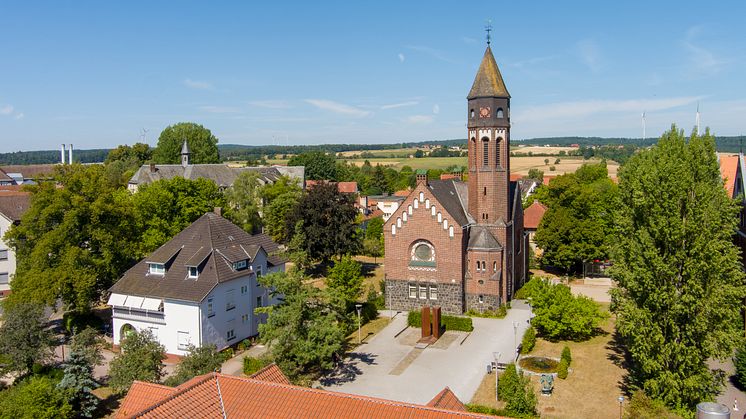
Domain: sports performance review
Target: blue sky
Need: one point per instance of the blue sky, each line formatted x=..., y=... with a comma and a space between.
x=96, y=73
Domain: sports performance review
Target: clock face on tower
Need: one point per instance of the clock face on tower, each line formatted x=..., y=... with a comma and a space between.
x=484, y=112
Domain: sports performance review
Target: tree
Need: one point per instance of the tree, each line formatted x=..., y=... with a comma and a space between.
x=306, y=331
x=579, y=222
x=78, y=384
x=74, y=241
x=680, y=284
x=202, y=144
x=166, y=207
x=122, y=162
x=283, y=185
x=517, y=392
x=245, y=202
x=346, y=278
x=276, y=216
x=34, y=398
x=739, y=361
x=329, y=222
x=561, y=315
x=88, y=343
x=536, y=175
x=24, y=338
x=200, y=360
x=140, y=359
x=318, y=165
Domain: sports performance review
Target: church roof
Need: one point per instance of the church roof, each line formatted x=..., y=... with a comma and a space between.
x=481, y=238
x=488, y=82
x=452, y=195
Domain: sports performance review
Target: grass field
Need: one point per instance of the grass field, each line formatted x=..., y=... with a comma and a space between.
x=591, y=389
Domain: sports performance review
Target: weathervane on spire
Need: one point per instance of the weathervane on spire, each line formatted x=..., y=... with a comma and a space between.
x=488, y=29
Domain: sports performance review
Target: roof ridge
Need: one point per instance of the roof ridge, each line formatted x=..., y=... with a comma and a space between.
x=178, y=392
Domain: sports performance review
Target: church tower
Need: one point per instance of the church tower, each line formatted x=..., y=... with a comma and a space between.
x=489, y=145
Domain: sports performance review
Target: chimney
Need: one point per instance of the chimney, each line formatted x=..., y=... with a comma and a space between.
x=70, y=153
x=62, y=154
x=218, y=211
x=152, y=167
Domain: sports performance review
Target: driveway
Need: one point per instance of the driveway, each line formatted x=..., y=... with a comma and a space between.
x=391, y=368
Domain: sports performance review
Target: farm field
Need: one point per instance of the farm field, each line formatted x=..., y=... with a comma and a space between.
x=541, y=149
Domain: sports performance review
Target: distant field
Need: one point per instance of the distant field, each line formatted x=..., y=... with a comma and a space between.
x=382, y=153
x=542, y=149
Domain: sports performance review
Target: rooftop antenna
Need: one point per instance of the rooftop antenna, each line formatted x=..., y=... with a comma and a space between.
x=698, y=117
x=488, y=29
x=643, y=126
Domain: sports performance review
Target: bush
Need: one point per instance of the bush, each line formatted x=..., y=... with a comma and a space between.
x=464, y=324
x=75, y=321
x=561, y=315
x=529, y=340
x=500, y=313
x=643, y=407
x=552, y=168
x=740, y=362
x=566, y=355
x=517, y=392
x=252, y=365
x=532, y=288
x=562, y=368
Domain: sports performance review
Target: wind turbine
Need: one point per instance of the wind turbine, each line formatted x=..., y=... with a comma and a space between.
x=143, y=137
x=643, y=126
x=697, y=119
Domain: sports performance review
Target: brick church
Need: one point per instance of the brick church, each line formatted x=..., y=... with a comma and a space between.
x=461, y=245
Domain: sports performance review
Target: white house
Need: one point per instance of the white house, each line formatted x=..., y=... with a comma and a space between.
x=12, y=206
x=199, y=288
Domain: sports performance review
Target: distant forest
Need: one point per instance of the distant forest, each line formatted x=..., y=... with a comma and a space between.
x=246, y=152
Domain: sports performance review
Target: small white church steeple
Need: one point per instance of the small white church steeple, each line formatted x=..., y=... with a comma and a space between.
x=185, y=154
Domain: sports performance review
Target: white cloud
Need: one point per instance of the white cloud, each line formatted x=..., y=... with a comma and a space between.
x=18, y=116
x=400, y=105
x=270, y=104
x=336, y=107
x=6, y=110
x=195, y=84
x=220, y=109
x=589, y=54
x=436, y=109
x=401, y=57
x=583, y=109
x=419, y=119
x=435, y=53
x=702, y=62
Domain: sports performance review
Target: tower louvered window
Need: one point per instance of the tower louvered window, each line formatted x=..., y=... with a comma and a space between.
x=485, y=151
x=497, y=153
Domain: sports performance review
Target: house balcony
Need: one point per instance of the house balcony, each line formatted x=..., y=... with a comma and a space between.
x=126, y=313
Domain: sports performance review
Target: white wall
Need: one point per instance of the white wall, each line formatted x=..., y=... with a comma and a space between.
x=9, y=265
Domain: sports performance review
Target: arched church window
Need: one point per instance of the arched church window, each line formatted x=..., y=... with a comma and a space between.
x=473, y=150
x=494, y=266
x=500, y=113
x=498, y=162
x=422, y=253
x=485, y=151
x=471, y=113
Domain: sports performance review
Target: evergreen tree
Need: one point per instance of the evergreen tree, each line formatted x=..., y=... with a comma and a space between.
x=680, y=284
x=78, y=384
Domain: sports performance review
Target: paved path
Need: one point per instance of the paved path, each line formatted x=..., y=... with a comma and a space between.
x=234, y=366
x=458, y=366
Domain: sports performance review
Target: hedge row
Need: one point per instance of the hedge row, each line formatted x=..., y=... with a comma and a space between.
x=463, y=324
x=564, y=364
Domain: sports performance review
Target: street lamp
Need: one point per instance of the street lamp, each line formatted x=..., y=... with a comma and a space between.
x=621, y=401
x=358, y=307
x=584, y=270
x=515, y=337
x=496, y=355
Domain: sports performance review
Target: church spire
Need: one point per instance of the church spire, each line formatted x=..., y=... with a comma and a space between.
x=488, y=82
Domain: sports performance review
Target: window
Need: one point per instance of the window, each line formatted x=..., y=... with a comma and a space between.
x=193, y=272
x=497, y=153
x=484, y=266
x=485, y=191
x=258, y=272
x=210, y=308
x=157, y=269
x=433, y=292
x=182, y=340
x=230, y=300
x=241, y=264
x=494, y=266
x=4, y=278
x=231, y=334
x=481, y=299
x=471, y=113
x=3, y=254
x=245, y=318
x=422, y=253
x=412, y=291
x=244, y=289
x=500, y=113
x=259, y=301
x=485, y=151
x=450, y=231
x=423, y=292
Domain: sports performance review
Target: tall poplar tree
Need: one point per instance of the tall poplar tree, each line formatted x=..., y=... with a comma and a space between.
x=680, y=284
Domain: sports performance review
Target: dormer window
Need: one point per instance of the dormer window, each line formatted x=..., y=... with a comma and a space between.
x=241, y=264
x=157, y=269
x=193, y=272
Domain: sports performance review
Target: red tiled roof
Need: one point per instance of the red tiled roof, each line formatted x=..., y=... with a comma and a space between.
x=344, y=187
x=448, y=176
x=374, y=214
x=447, y=400
x=141, y=396
x=271, y=373
x=217, y=395
x=14, y=204
x=515, y=176
x=403, y=193
x=533, y=214
x=728, y=170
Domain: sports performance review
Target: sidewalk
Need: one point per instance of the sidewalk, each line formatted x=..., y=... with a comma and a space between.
x=234, y=366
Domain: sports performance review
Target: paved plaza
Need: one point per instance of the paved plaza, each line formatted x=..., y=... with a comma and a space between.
x=392, y=368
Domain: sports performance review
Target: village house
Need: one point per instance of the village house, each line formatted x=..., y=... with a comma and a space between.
x=199, y=288
x=12, y=206
x=461, y=245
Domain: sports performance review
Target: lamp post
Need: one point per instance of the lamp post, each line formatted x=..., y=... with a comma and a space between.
x=621, y=402
x=515, y=337
x=496, y=355
x=583, y=269
x=358, y=307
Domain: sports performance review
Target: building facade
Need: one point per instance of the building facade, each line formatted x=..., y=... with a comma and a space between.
x=12, y=206
x=461, y=245
x=199, y=288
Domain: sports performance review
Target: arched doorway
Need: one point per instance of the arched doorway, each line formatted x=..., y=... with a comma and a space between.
x=126, y=330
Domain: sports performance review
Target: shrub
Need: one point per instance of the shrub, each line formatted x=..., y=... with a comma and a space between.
x=529, y=340
x=500, y=313
x=252, y=365
x=532, y=288
x=740, y=363
x=643, y=407
x=552, y=168
x=561, y=315
x=562, y=368
x=464, y=324
x=517, y=392
x=566, y=355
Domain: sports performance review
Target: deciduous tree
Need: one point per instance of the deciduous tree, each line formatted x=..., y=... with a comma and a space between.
x=24, y=337
x=202, y=144
x=244, y=201
x=140, y=359
x=318, y=165
x=35, y=398
x=680, y=284
x=200, y=360
x=346, y=278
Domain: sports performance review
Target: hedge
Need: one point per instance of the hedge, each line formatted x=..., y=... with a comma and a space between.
x=463, y=324
x=252, y=365
x=562, y=368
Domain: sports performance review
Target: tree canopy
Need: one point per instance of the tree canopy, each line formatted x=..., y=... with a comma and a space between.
x=24, y=338
x=318, y=165
x=245, y=202
x=200, y=360
x=35, y=398
x=680, y=284
x=140, y=359
x=202, y=144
